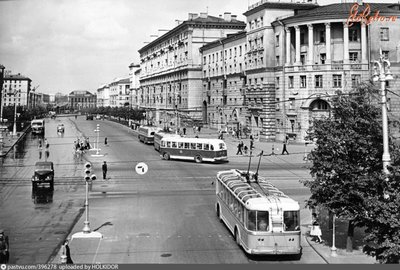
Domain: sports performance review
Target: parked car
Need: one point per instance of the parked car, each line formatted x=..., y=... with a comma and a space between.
x=43, y=174
x=60, y=128
x=89, y=117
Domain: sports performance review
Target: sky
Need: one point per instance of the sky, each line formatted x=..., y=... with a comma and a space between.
x=67, y=45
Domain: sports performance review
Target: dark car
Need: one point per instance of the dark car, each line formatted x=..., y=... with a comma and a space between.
x=89, y=117
x=43, y=175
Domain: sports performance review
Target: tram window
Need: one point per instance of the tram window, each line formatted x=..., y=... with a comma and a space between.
x=180, y=145
x=206, y=146
x=221, y=146
x=291, y=220
x=186, y=145
x=262, y=220
x=193, y=146
x=173, y=144
x=251, y=220
x=162, y=143
x=168, y=144
x=241, y=209
x=199, y=146
x=212, y=147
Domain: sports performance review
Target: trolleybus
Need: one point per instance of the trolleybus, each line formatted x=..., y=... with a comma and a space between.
x=146, y=134
x=161, y=134
x=196, y=149
x=262, y=219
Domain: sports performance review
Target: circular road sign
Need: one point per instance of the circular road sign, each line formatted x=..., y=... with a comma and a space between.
x=141, y=168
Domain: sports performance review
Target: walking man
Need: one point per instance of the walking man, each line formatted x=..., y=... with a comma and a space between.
x=251, y=142
x=104, y=168
x=284, y=150
x=105, y=141
x=184, y=131
x=239, y=147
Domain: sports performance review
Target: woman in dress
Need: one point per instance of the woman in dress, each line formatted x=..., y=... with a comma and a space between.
x=316, y=229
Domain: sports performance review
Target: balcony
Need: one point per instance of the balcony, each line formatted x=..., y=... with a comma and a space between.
x=337, y=65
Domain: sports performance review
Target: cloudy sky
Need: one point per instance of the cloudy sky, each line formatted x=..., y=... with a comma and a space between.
x=66, y=45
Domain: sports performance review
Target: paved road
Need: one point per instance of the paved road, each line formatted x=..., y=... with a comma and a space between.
x=165, y=216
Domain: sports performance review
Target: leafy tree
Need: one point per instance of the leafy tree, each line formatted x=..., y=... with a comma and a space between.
x=347, y=167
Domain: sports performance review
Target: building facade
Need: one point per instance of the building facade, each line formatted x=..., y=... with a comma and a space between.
x=171, y=68
x=134, y=74
x=120, y=93
x=16, y=89
x=79, y=100
x=300, y=54
x=223, y=80
x=103, y=96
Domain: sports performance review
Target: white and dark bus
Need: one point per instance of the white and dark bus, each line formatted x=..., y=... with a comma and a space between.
x=262, y=219
x=197, y=149
x=162, y=134
x=146, y=134
x=38, y=126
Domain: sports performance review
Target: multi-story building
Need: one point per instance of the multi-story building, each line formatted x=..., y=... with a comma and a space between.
x=103, y=96
x=300, y=54
x=119, y=93
x=134, y=74
x=223, y=79
x=81, y=100
x=171, y=70
x=16, y=89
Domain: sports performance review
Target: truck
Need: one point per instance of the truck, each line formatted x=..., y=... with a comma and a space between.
x=37, y=126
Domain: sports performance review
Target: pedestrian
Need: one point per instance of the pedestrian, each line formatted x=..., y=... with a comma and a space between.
x=104, y=168
x=105, y=141
x=184, y=131
x=251, y=142
x=284, y=150
x=194, y=129
x=68, y=252
x=199, y=128
x=40, y=144
x=315, y=231
x=245, y=149
x=233, y=133
x=239, y=147
x=46, y=143
x=4, y=248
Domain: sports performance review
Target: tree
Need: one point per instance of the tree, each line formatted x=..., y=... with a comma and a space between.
x=347, y=167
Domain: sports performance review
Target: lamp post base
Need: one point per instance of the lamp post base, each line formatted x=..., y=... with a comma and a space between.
x=333, y=251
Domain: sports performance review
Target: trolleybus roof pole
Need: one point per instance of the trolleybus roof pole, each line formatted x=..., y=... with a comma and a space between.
x=258, y=166
x=248, y=168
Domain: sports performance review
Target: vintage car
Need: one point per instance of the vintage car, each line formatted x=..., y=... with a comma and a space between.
x=43, y=175
x=60, y=128
x=89, y=116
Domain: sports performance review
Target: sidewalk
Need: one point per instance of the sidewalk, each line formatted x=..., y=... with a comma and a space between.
x=9, y=141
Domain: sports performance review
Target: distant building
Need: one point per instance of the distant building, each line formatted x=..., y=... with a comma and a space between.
x=103, y=96
x=81, y=100
x=134, y=74
x=16, y=89
x=119, y=93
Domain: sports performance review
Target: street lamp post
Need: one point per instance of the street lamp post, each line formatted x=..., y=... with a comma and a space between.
x=382, y=73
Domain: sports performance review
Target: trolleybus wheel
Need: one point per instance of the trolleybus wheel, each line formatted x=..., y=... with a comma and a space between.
x=237, y=237
x=198, y=159
x=166, y=156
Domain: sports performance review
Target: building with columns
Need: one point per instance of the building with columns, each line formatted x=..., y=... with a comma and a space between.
x=81, y=99
x=171, y=70
x=300, y=54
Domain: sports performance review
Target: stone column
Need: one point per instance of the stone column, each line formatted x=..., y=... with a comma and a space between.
x=364, y=59
x=310, y=44
x=328, y=42
x=288, y=45
x=297, y=28
x=345, y=43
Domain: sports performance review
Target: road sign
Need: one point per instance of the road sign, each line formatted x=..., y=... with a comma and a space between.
x=141, y=168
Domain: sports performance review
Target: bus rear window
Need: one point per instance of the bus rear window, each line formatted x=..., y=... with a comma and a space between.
x=222, y=146
x=206, y=146
x=258, y=220
x=199, y=146
x=291, y=220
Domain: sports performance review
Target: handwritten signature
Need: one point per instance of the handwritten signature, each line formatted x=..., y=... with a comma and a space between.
x=365, y=17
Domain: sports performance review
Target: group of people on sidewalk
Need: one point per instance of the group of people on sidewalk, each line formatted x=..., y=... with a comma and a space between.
x=47, y=148
x=242, y=148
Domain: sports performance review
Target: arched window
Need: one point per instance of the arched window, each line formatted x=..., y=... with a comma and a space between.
x=319, y=105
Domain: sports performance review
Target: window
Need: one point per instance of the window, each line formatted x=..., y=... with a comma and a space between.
x=322, y=36
x=384, y=34
x=385, y=54
x=323, y=58
x=291, y=221
x=277, y=105
x=319, y=105
x=353, y=56
x=193, y=146
x=290, y=81
x=277, y=83
x=303, y=81
x=277, y=60
x=337, y=81
x=318, y=81
x=291, y=103
x=302, y=59
x=277, y=40
x=258, y=220
x=353, y=35
x=199, y=146
x=206, y=146
x=355, y=80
